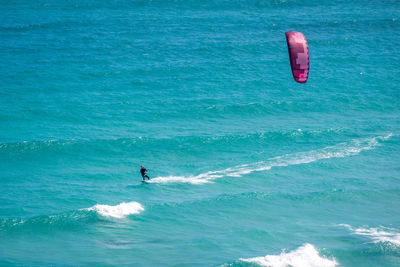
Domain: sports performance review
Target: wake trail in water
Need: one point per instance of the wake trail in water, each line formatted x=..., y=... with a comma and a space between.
x=341, y=150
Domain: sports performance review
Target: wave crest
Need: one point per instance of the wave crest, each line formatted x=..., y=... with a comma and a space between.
x=73, y=218
x=377, y=235
x=119, y=211
x=306, y=255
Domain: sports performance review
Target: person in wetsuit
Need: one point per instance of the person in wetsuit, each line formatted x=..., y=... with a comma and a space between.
x=143, y=173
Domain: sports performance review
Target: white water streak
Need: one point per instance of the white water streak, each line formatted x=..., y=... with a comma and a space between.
x=341, y=150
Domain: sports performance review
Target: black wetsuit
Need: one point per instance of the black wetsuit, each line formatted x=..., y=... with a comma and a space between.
x=143, y=172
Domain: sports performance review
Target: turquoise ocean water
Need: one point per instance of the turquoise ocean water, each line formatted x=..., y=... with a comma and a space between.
x=249, y=168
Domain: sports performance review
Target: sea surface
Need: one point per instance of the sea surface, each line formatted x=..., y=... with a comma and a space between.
x=248, y=167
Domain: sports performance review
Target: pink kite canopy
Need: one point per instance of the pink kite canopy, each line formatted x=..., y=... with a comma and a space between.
x=298, y=53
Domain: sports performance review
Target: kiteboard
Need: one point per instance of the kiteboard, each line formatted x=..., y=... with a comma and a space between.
x=145, y=182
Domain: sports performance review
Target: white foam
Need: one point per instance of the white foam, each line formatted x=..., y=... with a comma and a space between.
x=379, y=234
x=119, y=211
x=306, y=255
x=177, y=179
x=341, y=150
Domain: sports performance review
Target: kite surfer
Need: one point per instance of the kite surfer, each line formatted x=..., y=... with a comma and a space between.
x=143, y=173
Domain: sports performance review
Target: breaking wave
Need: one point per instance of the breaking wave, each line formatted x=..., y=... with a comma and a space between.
x=73, y=218
x=119, y=211
x=377, y=235
x=306, y=255
x=341, y=150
